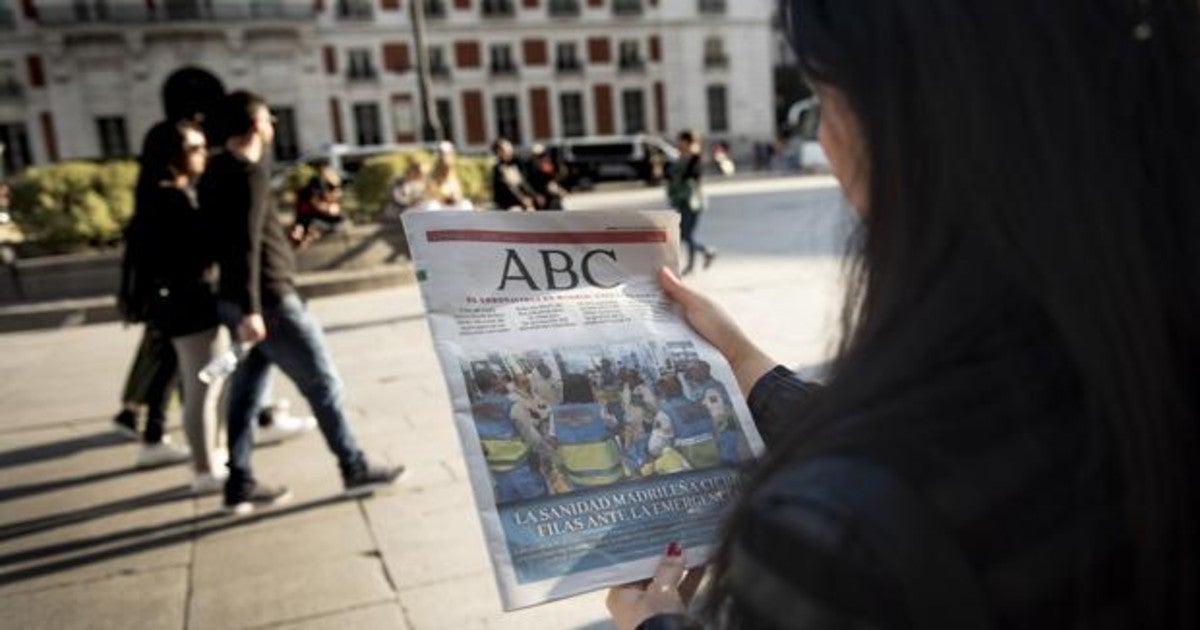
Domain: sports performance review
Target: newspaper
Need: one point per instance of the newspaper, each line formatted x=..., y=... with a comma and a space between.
x=597, y=427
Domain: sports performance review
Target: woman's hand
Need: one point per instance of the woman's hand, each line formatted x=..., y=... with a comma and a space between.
x=666, y=593
x=714, y=324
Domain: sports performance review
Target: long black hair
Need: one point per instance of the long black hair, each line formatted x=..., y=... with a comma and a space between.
x=1032, y=164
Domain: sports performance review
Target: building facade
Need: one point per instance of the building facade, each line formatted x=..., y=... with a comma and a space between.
x=83, y=78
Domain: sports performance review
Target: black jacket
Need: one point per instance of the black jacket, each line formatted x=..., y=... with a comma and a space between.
x=257, y=262
x=179, y=253
x=948, y=507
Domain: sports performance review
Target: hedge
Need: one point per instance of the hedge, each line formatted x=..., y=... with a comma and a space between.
x=76, y=205
x=72, y=205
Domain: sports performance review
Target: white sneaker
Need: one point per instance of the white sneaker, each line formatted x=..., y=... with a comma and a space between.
x=208, y=483
x=284, y=427
x=218, y=459
x=162, y=454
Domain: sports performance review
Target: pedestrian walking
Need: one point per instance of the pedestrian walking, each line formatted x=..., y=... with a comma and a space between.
x=151, y=377
x=687, y=197
x=1008, y=435
x=148, y=386
x=257, y=299
x=178, y=258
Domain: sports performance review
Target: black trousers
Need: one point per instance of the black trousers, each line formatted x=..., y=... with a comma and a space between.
x=150, y=380
x=688, y=219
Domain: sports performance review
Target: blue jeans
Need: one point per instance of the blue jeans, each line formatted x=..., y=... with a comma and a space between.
x=295, y=344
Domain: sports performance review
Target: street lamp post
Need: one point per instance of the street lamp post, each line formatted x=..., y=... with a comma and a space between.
x=431, y=124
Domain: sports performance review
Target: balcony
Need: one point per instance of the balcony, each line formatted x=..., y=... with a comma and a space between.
x=716, y=61
x=435, y=9
x=627, y=8
x=711, y=7
x=503, y=69
x=362, y=74
x=564, y=8
x=631, y=64
x=117, y=12
x=498, y=9
x=571, y=66
x=355, y=10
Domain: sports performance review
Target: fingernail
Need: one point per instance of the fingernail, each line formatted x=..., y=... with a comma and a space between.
x=674, y=550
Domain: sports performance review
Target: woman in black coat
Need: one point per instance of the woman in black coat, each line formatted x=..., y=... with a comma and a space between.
x=178, y=257
x=1008, y=435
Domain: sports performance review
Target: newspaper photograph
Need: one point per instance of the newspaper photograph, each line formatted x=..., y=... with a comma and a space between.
x=596, y=426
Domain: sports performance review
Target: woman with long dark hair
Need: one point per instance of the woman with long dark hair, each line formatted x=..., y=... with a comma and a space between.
x=179, y=260
x=1006, y=436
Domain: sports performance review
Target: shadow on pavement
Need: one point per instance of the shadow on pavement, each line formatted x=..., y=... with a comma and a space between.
x=159, y=535
x=30, y=489
x=46, y=523
x=62, y=448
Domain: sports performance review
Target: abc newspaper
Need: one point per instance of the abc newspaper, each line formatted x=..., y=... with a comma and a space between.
x=597, y=427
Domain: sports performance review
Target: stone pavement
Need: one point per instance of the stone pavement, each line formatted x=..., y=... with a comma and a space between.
x=87, y=541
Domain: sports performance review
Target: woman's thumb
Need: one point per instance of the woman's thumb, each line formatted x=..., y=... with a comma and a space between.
x=674, y=287
x=670, y=569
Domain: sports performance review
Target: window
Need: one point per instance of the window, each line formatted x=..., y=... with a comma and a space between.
x=508, y=123
x=445, y=113
x=10, y=87
x=627, y=7
x=113, y=140
x=566, y=57
x=714, y=53
x=502, y=59
x=564, y=8
x=359, y=66
x=287, y=145
x=7, y=20
x=718, y=109
x=366, y=123
x=16, y=148
x=498, y=8
x=570, y=107
x=633, y=109
x=355, y=10
x=435, y=8
x=711, y=7
x=628, y=56
x=437, y=62
x=181, y=9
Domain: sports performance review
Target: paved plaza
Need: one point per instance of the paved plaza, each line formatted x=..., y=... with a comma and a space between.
x=88, y=541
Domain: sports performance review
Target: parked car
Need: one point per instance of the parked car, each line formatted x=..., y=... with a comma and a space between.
x=584, y=161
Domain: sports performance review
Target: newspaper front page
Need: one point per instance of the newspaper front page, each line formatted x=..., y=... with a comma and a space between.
x=597, y=427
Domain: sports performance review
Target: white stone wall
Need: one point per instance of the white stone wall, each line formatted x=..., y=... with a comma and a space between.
x=102, y=70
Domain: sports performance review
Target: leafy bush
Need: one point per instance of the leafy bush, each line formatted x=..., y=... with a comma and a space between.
x=71, y=205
